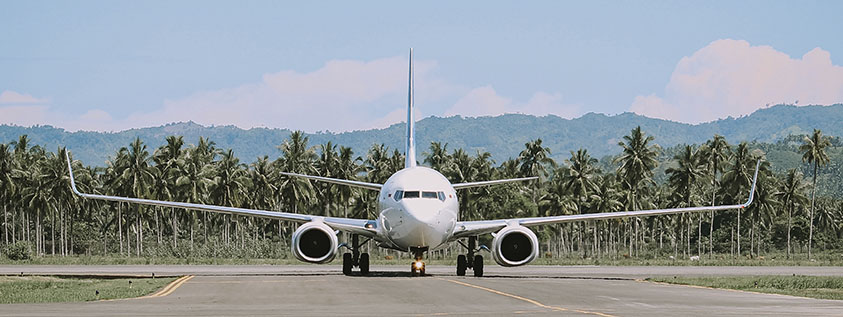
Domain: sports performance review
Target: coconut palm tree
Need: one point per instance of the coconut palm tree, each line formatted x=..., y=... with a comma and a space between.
x=140, y=176
x=738, y=178
x=683, y=179
x=6, y=187
x=637, y=162
x=167, y=159
x=791, y=194
x=715, y=153
x=437, y=158
x=813, y=152
x=763, y=208
x=230, y=188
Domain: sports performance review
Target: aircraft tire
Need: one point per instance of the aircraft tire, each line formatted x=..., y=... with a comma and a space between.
x=347, y=263
x=461, y=265
x=364, y=263
x=478, y=265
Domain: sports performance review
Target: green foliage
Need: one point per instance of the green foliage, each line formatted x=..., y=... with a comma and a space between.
x=50, y=289
x=19, y=251
x=821, y=287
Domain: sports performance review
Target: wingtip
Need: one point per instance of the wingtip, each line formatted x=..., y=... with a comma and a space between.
x=70, y=171
x=754, y=183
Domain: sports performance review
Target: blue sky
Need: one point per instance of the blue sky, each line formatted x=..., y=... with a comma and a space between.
x=114, y=65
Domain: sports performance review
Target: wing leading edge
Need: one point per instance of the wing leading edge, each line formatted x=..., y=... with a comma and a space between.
x=471, y=228
x=359, y=226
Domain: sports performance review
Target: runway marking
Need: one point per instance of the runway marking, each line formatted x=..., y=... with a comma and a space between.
x=170, y=288
x=531, y=301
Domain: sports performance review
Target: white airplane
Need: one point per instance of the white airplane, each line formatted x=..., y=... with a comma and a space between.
x=418, y=212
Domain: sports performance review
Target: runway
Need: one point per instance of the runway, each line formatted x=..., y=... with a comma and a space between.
x=531, y=290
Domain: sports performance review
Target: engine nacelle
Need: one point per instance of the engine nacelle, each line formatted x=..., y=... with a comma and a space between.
x=515, y=246
x=315, y=242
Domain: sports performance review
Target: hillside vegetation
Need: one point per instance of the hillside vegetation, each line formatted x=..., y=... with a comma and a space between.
x=502, y=136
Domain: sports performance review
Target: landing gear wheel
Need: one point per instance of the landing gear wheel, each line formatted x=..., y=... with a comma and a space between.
x=364, y=263
x=478, y=265
x=347, y=263
x=461, y=265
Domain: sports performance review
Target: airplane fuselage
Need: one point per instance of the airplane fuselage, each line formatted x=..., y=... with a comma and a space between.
x=418, y=209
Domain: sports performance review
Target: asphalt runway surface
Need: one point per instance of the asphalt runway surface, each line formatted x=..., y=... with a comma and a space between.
x=310, y=290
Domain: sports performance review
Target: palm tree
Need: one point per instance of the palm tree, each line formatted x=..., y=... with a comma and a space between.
x=791, y=195
x=715, y=152
x=230, y=188
x=637, y=162
x=140, y=176
x=6, y=187
x=167, y=159
x=738, y=178
x=763, y=208
x=813, y=152
x=535, y=160
x=327, y=165
x=438, y=158
x=683, y=179
x=578, y=179
x=296, y=157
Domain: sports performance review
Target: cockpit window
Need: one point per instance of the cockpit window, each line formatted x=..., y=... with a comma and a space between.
x=400, y=194
x=412, y=194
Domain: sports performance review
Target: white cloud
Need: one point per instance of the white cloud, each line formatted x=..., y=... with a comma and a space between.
x=733, y=78
x=340, y=96
x=485, y=101
x=343, y=95
x=9, y=97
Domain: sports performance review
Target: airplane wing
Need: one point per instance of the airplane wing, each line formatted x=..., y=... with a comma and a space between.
x=369, y=186
x=494, y=182
x=359, y=226
x=472, y=228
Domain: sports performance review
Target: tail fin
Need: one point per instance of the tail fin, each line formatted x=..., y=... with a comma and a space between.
x=410, y=150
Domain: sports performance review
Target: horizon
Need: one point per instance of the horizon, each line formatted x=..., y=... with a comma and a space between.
x=417, y=120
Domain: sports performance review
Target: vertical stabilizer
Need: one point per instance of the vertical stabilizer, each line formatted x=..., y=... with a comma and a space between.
x=410, y=150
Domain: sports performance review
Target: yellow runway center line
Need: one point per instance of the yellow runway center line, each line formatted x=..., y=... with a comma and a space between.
x=170, y=287
x=531, y=301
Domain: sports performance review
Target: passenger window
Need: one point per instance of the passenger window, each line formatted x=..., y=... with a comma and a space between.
x=441, y=196
x=429, y=195
x=398, y=195
x=413, y=194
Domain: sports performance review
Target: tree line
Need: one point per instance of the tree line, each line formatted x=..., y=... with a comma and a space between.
x=41, y=213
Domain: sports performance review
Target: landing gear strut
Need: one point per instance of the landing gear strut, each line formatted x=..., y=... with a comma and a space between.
x=355, y=258
x=417, y=268
x=470, y=260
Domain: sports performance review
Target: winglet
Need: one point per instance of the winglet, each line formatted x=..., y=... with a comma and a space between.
x=70, y=170
x=754, y=182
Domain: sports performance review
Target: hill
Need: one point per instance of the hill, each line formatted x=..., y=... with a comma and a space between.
x=503, y=136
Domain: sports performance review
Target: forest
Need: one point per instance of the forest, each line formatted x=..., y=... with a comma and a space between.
x=42, y=218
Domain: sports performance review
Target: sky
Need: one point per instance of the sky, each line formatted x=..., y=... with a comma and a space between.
x=342, y=66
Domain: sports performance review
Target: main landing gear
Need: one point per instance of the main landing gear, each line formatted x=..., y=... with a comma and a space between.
x=417, y=267
x=355, y=258
x=476, y=263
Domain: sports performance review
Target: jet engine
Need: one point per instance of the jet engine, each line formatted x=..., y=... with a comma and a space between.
x=314, y=242
x=515, y=246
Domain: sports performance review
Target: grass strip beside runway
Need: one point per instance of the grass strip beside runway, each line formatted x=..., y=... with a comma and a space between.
x=820, y=287
x=51, y=289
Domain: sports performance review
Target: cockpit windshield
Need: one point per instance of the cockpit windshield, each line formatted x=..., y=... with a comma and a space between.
x=400, y=194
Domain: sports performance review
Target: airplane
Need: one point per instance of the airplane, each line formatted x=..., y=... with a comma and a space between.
x=418, y=211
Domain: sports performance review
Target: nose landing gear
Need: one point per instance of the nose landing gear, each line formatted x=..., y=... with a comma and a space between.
x=417, y=268
x=476, y=263
x=355, y=258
